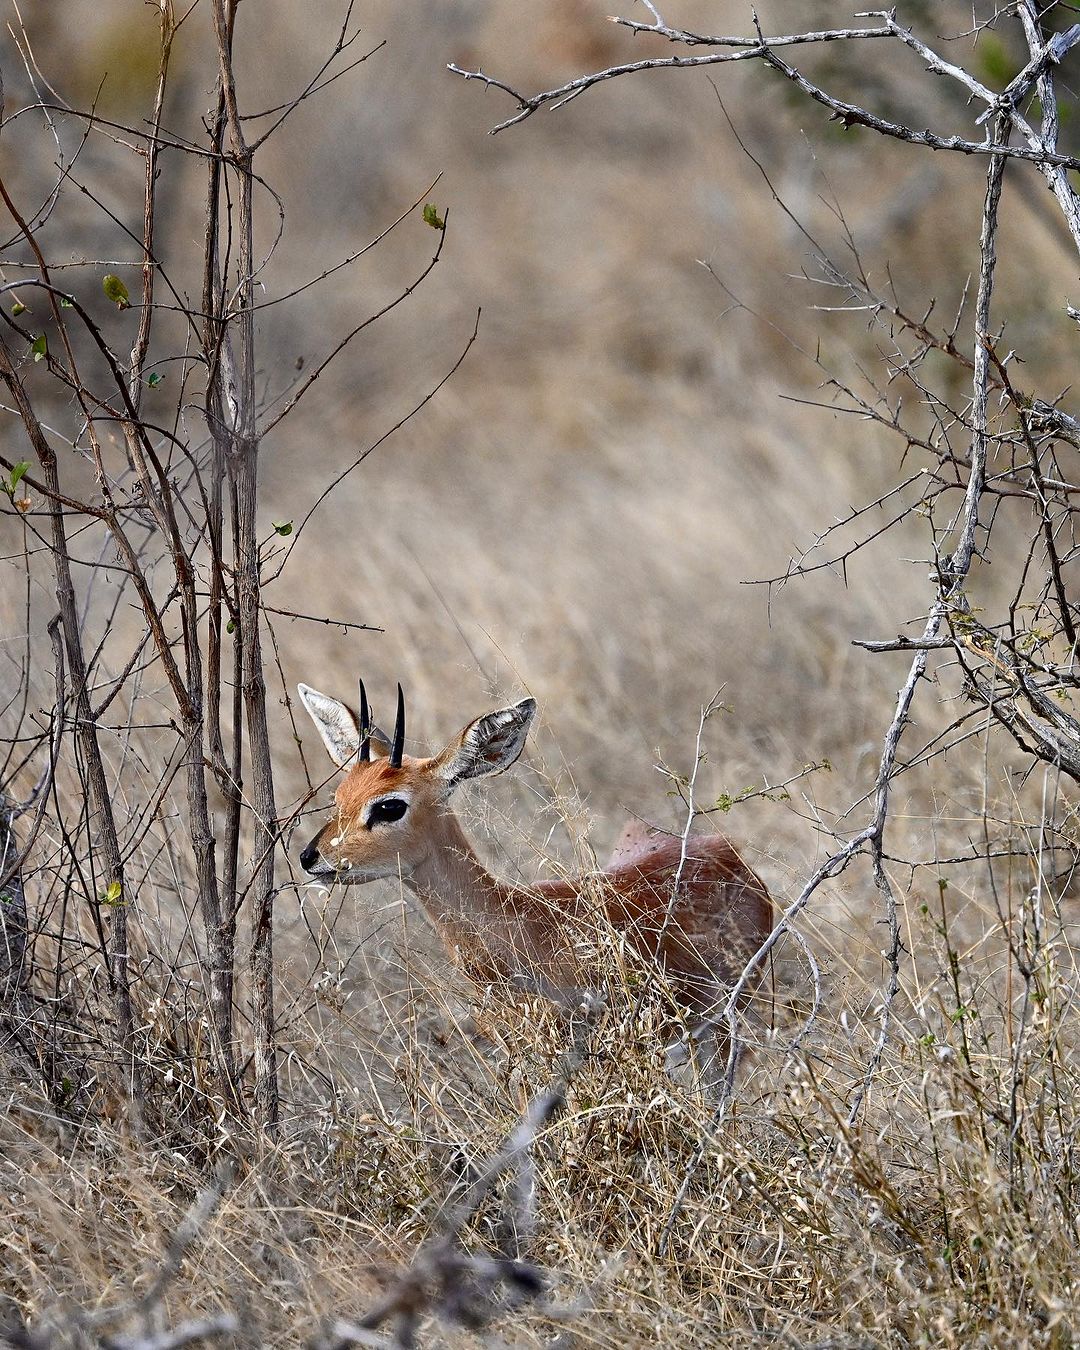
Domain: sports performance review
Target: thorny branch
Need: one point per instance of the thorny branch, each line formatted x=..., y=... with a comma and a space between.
x=1004, y=110
x=1041, y=150
x=953, y=572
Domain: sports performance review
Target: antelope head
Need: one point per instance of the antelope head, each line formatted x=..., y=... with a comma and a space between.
x=388, y=803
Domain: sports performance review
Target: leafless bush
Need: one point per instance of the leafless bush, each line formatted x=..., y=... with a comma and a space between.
x=1002, y=447
x=154, y=496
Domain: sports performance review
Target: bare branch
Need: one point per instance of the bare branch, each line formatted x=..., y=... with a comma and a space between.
x=746, y=49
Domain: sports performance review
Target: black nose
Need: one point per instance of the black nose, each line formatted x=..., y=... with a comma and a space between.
x=309, y=857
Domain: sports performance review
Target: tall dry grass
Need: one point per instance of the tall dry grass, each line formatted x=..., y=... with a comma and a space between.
x=574, y=516
x=945, y=1215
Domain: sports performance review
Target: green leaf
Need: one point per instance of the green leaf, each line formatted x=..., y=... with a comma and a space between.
x=116, y=291
x=17, y=308
x=432, y=217
x=39, y=347
x=15, y=476
x=230, y=627
x=283, y=527
x=112, y=893
x=65, y=303
x=154, y=379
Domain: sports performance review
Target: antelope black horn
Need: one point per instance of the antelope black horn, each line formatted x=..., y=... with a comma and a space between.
x=399, y=732
x=365, y=726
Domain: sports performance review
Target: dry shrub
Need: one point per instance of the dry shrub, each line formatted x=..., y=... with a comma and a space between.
x=945, y=1215
x=600, y=562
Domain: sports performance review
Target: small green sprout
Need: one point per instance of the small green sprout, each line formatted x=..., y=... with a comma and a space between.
x=116, y=291
x=14, y=478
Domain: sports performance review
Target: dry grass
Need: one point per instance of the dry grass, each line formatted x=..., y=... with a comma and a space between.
x=574, y=516
x=946, y=1216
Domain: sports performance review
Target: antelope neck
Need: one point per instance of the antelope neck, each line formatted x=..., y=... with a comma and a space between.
x=452, y=883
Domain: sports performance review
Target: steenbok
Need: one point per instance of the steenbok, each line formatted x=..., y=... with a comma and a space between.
x=696, y=910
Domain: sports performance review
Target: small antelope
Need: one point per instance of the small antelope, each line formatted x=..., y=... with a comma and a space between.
x=394, y=820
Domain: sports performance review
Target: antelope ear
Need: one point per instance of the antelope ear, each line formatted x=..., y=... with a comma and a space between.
x=489, y=745
x=335, y=723
x=380, y=743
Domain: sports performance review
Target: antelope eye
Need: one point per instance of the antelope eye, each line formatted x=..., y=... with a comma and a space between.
x=392, y=808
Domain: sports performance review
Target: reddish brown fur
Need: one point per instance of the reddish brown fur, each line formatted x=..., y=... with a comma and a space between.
x=539, y=934
x=691, y=906
x=367, y=781
x=719, y=915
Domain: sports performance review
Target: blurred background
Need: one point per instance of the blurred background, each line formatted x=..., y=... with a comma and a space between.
x=642, y=426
